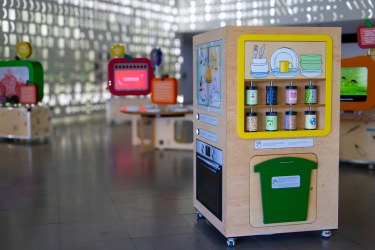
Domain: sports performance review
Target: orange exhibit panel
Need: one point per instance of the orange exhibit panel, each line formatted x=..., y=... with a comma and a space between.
x=164, y=91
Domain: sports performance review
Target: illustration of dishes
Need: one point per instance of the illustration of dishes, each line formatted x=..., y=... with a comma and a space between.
x=284, y=63
x=311, y=65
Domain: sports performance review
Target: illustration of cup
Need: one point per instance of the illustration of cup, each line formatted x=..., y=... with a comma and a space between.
x=284, y=66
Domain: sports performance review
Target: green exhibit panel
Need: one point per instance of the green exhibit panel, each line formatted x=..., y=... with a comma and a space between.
x=285, y=185
x=20, y=72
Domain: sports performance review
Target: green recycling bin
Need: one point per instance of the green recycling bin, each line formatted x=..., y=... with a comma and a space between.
x=285, y=186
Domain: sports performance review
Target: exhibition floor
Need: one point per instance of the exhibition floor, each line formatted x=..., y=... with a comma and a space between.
x=88, y=188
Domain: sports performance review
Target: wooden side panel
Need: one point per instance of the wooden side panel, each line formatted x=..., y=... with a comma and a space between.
x=220, y=129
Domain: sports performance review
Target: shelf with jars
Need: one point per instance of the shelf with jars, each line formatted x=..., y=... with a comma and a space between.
x=287, y=87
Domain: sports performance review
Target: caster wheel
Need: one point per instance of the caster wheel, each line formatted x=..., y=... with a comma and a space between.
x=326, y=234
x=199, y=216
x=231, y=242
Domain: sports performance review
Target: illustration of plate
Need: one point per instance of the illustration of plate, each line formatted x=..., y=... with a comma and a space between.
x=311, y=73
x=276, y=72
x=284, y=54
x=259, y=74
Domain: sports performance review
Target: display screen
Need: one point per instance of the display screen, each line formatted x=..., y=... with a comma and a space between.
x=353, y=84
x=131, y=79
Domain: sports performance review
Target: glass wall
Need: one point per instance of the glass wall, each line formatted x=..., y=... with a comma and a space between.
x=72, y=39
x=201, y=15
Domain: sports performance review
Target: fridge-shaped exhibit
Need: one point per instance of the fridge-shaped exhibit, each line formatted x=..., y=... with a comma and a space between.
x=266, y=122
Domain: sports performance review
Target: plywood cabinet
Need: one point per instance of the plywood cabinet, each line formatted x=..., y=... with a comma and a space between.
x=235, y=58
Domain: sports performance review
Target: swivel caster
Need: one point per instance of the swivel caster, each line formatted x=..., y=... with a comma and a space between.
x=326, y=234
x=231, y=242
x=199, y=216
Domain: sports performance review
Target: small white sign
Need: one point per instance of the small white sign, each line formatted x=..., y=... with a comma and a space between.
x=287, y=143
x=208, y=135
x=292, y=181
x=208, y=119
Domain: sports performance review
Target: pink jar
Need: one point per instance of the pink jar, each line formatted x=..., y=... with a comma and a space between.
x=290, y=94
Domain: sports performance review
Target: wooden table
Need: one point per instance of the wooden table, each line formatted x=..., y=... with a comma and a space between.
x=163, y=134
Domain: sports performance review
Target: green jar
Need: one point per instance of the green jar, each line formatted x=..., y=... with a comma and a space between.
x=310, y=94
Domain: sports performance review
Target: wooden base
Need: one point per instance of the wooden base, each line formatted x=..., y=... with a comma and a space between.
x=25, y=123
x=164, y=134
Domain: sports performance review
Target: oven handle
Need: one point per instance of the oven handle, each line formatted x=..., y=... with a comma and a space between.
x=213, y=165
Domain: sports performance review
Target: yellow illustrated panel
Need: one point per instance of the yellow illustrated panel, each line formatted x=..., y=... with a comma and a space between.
x=268, y=64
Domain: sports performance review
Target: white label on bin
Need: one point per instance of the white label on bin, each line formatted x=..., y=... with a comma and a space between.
x=286, y=181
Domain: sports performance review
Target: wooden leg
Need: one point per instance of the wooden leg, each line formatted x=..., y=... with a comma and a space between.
x=147, y=145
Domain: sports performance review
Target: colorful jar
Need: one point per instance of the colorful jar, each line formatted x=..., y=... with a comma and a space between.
x=290, y=94
x=251, y=95
x=251, y=122
x=271, y=121
x=290, y=120
x=271, y=95
x=310, y=94
x=310, y=120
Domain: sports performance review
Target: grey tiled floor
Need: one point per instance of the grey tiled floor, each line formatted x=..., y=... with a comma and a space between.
x=88, y=188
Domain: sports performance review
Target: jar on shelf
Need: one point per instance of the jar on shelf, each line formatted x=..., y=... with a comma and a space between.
x=251, y=122
x=271, y=95
x=271, y=121
x=290, y=120
x=290, y=94
x=310, y=94
x=251, y=95
x=310, y=120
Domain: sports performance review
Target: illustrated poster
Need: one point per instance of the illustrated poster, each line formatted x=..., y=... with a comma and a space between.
x=209, y=75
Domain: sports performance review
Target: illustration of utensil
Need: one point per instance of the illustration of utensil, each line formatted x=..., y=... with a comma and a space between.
x=255, y=51
x=261, y=53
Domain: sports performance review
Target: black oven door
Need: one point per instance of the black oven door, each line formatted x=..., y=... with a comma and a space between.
x=209, y=185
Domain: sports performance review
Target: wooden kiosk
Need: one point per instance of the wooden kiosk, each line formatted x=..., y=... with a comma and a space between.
x=256, y=177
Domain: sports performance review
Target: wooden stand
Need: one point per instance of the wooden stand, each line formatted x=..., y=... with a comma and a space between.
x=25, y=123
x=163, y=130
x=357, y=138
x=242, y=213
